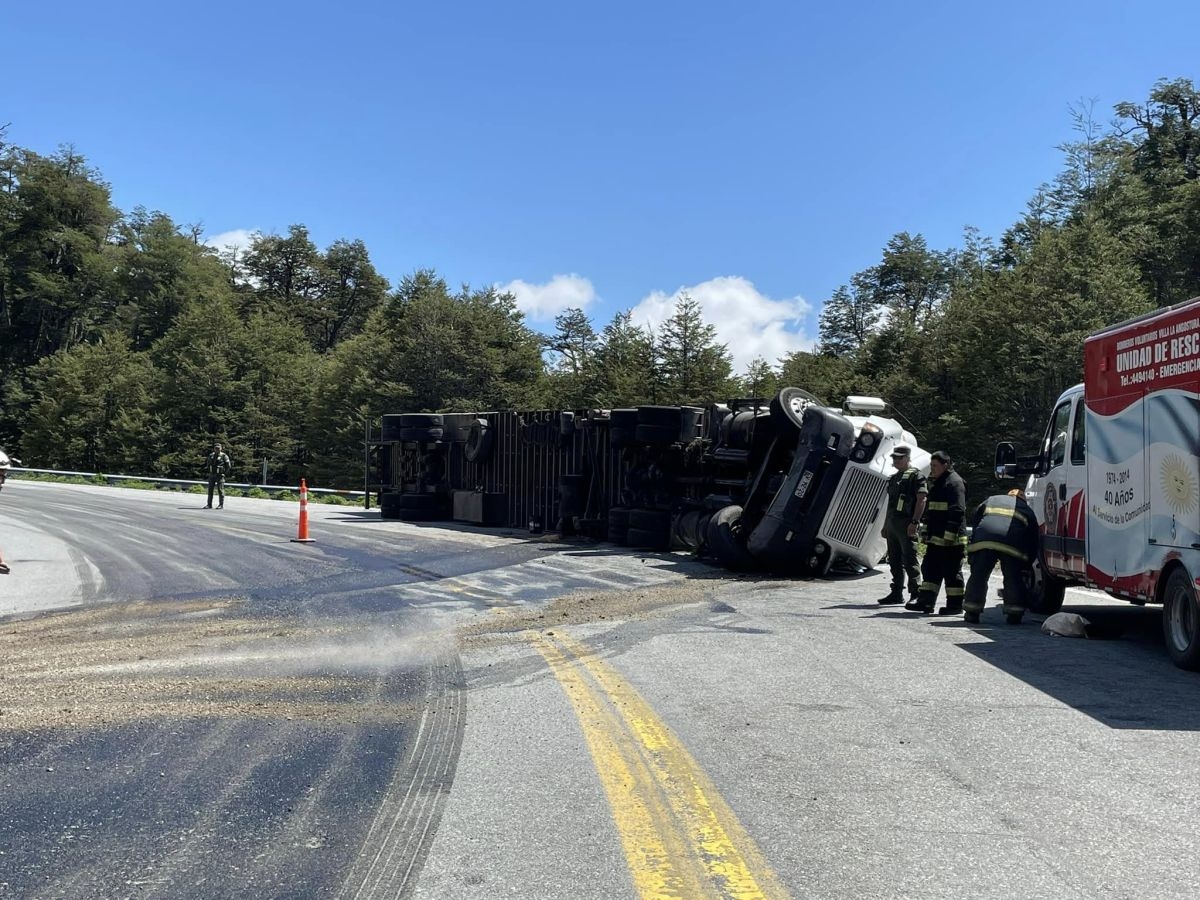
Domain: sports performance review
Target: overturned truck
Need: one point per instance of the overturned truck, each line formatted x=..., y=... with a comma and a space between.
x=789, y=485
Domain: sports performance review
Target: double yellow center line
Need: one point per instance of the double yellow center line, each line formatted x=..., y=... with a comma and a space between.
x=680, y=838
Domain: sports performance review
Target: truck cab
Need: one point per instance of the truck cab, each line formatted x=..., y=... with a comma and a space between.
x=829, y=509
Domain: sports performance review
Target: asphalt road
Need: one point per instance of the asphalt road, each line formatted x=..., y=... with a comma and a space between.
x=194, y=706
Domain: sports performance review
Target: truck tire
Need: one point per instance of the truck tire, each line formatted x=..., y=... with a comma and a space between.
x=1181, y=620
x=725, y=542
x=689, y=530
x=787, y=409
x=480, y=442
x=1046, y=593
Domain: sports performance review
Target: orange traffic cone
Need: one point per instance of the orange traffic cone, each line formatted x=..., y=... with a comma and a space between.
x=302, y=534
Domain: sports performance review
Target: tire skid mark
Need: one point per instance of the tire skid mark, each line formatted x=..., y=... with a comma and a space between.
x=410, y=854
x=402, y=830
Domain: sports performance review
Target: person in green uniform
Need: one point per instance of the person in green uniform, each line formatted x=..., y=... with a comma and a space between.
x=906, y=503
x=217, y=466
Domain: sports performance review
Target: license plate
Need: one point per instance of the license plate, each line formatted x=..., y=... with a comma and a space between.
x=802, y=487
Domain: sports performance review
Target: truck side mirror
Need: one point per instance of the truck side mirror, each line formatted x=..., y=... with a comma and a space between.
x=1006, y=460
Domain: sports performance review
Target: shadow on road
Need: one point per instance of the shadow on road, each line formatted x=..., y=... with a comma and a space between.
x=1124, y=681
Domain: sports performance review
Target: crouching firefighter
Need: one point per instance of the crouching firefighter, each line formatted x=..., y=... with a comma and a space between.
x=946, y=539
x=1004, y=529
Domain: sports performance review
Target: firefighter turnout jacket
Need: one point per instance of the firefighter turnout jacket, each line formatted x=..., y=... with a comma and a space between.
x=1006, y=524
x=946, y=511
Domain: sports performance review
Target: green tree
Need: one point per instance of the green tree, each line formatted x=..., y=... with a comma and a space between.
x=572, y=378
x=91, y=408
x=55, y=268
x=284, y=273
x=850, y=316
x=696, y=369
x=429, y=349
x=1153, y=203
x=759, y=380
x=160, y=272
x=825, y=375
x=911, y=280
x=201, y=360
x=626, y=367
x=349, y=290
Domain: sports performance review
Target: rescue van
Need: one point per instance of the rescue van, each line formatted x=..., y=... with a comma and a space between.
x=1116, y=484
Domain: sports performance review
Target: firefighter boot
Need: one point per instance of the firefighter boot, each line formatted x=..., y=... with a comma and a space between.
x=893, y=599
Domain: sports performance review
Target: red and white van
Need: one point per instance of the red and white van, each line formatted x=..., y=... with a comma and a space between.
x=1116, y=485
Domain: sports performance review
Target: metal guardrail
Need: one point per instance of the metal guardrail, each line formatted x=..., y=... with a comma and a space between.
x=16, y=470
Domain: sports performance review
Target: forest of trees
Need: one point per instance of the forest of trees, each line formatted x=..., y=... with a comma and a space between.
x=127, y=345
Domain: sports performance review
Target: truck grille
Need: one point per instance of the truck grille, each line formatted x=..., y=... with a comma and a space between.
x=857, y=506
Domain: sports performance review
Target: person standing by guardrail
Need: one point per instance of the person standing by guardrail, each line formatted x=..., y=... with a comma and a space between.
x=217, y=465
x=5, y=464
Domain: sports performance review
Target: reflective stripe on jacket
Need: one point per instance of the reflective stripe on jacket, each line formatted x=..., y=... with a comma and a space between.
x=1005, y=524
x=946, y=510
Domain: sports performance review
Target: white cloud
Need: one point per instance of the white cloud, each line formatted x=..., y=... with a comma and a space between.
x=750, y=323
x=544, y=301
x=239, y=239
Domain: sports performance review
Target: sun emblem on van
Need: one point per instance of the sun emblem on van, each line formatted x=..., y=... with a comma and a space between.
x=1178, y=484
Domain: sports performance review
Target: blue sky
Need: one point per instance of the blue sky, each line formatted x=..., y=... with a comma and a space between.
x=609, y=154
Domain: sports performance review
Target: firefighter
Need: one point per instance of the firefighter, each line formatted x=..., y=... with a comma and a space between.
x=906, y=502
x=946, y=539
x=1004, y=530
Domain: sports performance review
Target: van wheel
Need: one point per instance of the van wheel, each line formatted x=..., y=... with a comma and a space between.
x=1046, y=592
x=1181, y=620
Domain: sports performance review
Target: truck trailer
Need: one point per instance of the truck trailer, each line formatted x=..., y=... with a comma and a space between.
x=789, y=485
